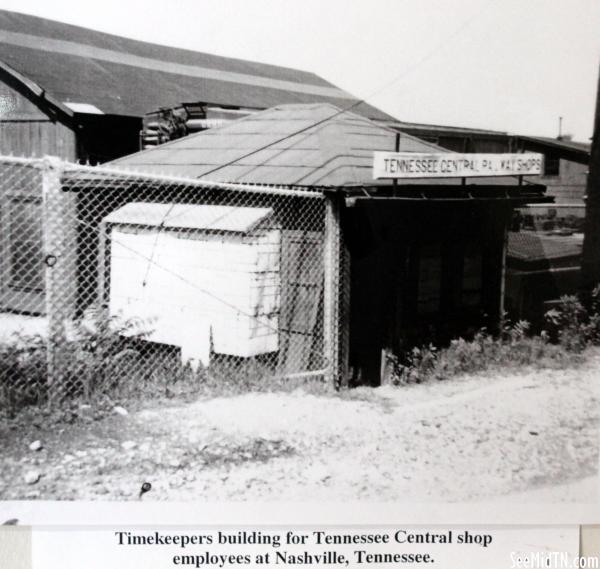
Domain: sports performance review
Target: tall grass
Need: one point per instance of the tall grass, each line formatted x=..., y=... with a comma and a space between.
x=111, y=361
x=570, y=328
x=108, y=360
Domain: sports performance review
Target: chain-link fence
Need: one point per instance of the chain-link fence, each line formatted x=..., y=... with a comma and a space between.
x=114, y=282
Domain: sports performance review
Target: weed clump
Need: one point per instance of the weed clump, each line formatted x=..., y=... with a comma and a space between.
x=570, y=328
x=108, y=360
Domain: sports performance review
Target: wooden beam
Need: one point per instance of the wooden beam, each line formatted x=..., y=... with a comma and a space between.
x=331, y=289
x=344, y=321
x=60, y=251
x=502, y=306
x=102, y=267
x=590, y=266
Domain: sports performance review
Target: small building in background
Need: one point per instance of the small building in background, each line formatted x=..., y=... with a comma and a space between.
x=540, y=268
x=565, y=161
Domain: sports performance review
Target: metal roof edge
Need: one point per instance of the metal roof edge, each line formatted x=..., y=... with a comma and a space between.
x=438, y=128
x=564, y=146
x=34, y=88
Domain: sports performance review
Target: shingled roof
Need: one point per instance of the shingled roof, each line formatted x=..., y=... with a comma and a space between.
x=529, y=251
x=299, y=145
x=77, y=66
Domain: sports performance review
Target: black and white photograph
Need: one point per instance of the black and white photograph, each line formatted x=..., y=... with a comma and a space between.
x=300, y=250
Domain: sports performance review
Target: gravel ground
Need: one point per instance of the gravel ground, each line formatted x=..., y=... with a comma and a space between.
x=476, y=438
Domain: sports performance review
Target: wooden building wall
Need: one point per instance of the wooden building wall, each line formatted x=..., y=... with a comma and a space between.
x=28, y=130
x=566, y=181
x=31, y=128
x=569, y=185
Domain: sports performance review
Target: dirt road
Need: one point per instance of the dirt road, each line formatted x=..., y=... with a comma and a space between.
x=475, y=438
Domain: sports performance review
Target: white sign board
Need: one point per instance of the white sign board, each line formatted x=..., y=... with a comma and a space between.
x=451, y=165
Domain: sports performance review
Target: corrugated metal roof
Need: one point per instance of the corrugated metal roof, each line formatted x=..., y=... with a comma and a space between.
x=578, y=152
x=435, y=128
x=334, y=149
x=186, y=216
x=128, y=77
x=560, y=143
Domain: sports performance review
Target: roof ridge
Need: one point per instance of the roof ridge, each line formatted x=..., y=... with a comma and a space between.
x=311, y=144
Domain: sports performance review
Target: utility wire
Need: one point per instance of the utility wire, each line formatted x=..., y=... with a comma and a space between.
x=442, y=44
x=387, y=85
x=151, y=261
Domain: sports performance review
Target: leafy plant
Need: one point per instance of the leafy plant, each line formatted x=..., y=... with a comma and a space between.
x=101, y=353
x=22, y=372
x=573, y=325
x=511, y=348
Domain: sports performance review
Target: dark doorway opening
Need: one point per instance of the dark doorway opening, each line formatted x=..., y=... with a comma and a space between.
x=419, y=273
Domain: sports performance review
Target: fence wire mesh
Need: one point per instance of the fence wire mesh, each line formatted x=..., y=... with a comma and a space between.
x=118, y=283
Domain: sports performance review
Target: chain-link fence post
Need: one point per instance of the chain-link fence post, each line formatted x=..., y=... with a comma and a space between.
x=331, y=288
x=59, y=252
x=130, y=277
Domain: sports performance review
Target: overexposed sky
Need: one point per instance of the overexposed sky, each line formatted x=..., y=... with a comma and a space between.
x=510, y=65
